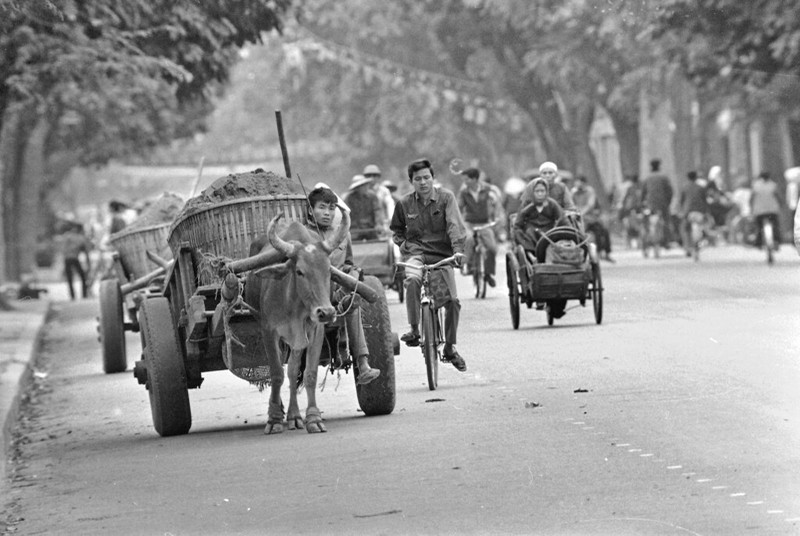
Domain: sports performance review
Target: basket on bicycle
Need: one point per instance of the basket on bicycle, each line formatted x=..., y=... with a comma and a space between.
x=133, y=244
x=226, y=229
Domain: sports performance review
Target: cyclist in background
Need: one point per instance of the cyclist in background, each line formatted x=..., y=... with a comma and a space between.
x=766, y=204
x=478, y=206
x=694, y=205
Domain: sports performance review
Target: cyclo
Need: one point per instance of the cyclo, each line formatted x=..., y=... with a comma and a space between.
x=563, y=267
x=432, y=297
x=376, y=255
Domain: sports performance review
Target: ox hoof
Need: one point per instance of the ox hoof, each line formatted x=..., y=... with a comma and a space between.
x=314, y=424
x=295, y=423
x=273, y=428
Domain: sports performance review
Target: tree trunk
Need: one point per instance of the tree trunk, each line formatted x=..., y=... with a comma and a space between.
x=12, y=137
x=629, y=146
x=28, y=198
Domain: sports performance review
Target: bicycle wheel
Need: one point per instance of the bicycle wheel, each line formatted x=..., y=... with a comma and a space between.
x=769, y=244
x=512, y=278
x=597, y=293
x=478, y=274
x=429, y=346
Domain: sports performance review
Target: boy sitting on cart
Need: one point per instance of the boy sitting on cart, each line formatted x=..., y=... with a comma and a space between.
x=322, y=208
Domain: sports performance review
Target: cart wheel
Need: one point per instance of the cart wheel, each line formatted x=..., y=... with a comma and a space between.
x=549, y=315
x=112, y=327
x=166, y=375
x=429, y=347
x=597, y=293
x=512, y=277
x=378, y=396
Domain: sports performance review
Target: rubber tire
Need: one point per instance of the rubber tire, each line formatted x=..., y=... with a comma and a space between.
x=597, y=293
x=550, y=317
x=166, y=374
x=512, y=279
x=378, y=397
x=429, y=347
x=112, y=327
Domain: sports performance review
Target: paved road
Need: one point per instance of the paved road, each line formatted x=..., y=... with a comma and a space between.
x=678, y=415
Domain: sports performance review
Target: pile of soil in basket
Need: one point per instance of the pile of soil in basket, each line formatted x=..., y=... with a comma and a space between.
x=254, y=183
x=164, y=209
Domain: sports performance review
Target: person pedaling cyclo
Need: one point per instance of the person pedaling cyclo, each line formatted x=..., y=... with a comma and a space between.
x=366, y=212
x=694, y=207
x=478, y=207
x=428, y=228
x=322, y=208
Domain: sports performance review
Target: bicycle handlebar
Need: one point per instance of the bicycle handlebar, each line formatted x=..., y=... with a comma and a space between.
x=484, y=226
x=448, y=260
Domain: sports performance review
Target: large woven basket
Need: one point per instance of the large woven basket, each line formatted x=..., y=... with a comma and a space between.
x=227, y=229
x=133, y=244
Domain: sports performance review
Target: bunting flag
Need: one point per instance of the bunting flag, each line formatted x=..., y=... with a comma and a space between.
x=477, y=107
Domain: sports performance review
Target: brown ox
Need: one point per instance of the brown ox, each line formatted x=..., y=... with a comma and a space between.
x=294, y=305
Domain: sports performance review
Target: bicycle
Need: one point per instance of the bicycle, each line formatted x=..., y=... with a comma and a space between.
x=652, y=233
x=478, y=262
x=696, y=222
x=432, y=322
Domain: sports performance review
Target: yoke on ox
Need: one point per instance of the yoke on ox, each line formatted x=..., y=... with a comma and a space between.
x=253, y=314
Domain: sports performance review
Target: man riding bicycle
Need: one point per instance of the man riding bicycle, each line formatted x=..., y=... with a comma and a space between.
x=478, y=206
x=428, y=228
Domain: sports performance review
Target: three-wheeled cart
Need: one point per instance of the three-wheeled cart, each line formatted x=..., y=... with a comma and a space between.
x=139, y=263
x=186, y=331
x=532, y=280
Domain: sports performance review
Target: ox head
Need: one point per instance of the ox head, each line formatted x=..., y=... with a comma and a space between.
x=307, y=266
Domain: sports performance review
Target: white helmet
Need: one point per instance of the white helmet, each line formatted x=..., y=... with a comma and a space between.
x=514, y=186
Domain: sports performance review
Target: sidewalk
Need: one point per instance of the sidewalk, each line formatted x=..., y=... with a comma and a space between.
x=20, y=332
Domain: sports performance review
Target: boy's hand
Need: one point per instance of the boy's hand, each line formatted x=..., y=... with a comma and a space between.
x=459, y=259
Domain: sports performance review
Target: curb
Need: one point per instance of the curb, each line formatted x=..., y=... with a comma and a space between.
x=16, y=374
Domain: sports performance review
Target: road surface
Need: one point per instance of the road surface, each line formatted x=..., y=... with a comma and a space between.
x=679, y=415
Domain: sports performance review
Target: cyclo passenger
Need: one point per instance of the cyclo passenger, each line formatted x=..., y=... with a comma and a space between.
x=478, y=207
x=428, y=228
x=366, y=212
x=322, y=208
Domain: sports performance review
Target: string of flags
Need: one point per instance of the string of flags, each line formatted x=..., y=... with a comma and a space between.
x=477, y=107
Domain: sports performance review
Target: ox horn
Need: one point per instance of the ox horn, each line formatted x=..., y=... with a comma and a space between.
x=332, y=242
x=277, y=242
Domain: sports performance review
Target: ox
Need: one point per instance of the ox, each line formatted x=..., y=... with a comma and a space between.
x=294, y=306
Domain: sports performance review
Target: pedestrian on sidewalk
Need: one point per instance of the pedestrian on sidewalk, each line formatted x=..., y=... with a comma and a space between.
x=73, y=242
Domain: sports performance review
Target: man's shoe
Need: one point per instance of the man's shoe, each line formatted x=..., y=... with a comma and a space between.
x=490, y=280
x=540, y=306
x=456, y=360
x=411, y=338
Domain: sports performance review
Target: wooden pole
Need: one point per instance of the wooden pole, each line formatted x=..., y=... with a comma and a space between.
x=282, y=140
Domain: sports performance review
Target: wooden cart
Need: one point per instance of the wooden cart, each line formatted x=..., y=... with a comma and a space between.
x=136, y=274
x=183, y=329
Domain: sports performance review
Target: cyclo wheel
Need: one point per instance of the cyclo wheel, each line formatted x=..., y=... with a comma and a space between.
x=112, y=327
x=597, y=293
x=166, y=374
x=378, y=396
x=512, y=278
x=429, y=345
